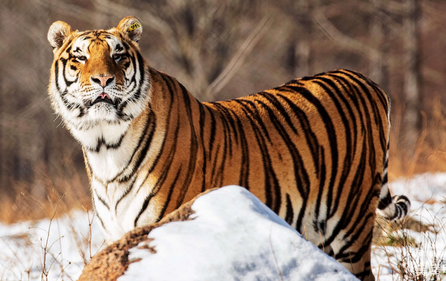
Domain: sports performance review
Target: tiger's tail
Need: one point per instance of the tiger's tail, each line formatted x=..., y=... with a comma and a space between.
x=391, y=208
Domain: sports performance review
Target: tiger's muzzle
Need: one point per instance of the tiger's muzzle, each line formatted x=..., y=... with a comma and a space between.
x=105, y=98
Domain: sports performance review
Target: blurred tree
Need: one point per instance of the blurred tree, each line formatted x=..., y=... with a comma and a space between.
x=298, y=59
x=412, y=76
x=377, y=38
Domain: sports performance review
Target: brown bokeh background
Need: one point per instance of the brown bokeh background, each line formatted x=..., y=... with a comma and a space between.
x=219, y=49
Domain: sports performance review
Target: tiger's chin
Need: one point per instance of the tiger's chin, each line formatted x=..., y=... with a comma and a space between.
x=92, y=117
x=103, y=112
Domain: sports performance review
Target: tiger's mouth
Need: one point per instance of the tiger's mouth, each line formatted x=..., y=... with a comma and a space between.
x=103, y=97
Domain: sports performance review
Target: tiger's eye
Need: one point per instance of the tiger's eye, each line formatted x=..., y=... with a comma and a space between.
x=81, y=58
x=117, y=57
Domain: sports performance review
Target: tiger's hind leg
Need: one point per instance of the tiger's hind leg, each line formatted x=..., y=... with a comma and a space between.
x=353, y=250
x=357, y=262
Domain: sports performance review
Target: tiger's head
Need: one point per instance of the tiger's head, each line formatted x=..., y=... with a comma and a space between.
x=98, y=75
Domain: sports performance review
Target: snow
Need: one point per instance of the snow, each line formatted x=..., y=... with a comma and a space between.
x=427, y=193
x=422, y=188
x=246, y=241
x=262, y=247
x=58, y=245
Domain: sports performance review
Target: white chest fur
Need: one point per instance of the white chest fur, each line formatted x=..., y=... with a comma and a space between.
x=108, y=148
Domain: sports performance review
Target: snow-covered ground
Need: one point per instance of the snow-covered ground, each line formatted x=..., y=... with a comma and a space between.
x=49, y=249
x=427, y=193
x=62, y=246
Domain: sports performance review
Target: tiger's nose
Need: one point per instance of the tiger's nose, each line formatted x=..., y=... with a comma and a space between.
x=102, y=79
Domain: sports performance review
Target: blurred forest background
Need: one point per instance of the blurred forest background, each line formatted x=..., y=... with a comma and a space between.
x=219, y=49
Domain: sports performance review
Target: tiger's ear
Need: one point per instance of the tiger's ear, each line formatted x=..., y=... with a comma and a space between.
x=57, y=33
x=131, y=26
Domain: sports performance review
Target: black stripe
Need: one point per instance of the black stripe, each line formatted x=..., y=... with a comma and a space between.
x=167, y=164
x=126, y=192
x=374, y=108
x=330, y=205
x=212, y=132
x=362, y=213
x=141, y=72
x=68, y=82
x=161, y=179
x=301, y=175
x=102, y=142
x=310, y=137
x=236, y=133
x=150, y=127
x=228, y=115
x=280, y=109
x=226, y=146
x=368, y=130
x=331, y=134
x=139, y=63
x=193, y=147
x=204, y=157
x=214, y=168
x=354, y=195
x=289, y=210
x=315, y=149
x=299, y=168
x=103, y=201
x=348, y=139
x=101, y=221
x=169, y=196
x=385, y=201
x=382, y=96
x=244, y=162
x=56, y=76
x=224, y=118
x=386, y=177
x=62, y=94
x=144, y=142
x=167, y=81
x=353, y=257
x=347, y=99
x=270, y=178
x=253, y=111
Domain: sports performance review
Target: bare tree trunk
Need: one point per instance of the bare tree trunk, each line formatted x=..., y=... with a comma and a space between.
x=299, y=55
x=303, y=50
x=412, y=79
x=2, y=159
x=376, y=67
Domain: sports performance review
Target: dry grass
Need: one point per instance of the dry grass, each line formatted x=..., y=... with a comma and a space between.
x=417, y=259
x=429, y=155
x=25, y=206
x=36, y=202
x=49, y=240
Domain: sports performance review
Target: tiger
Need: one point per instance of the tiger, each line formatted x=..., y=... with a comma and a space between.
x=314, y=150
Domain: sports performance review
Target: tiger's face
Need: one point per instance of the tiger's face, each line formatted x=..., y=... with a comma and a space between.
x=98, y=75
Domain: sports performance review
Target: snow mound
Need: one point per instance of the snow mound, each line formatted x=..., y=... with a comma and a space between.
x=234, y=236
